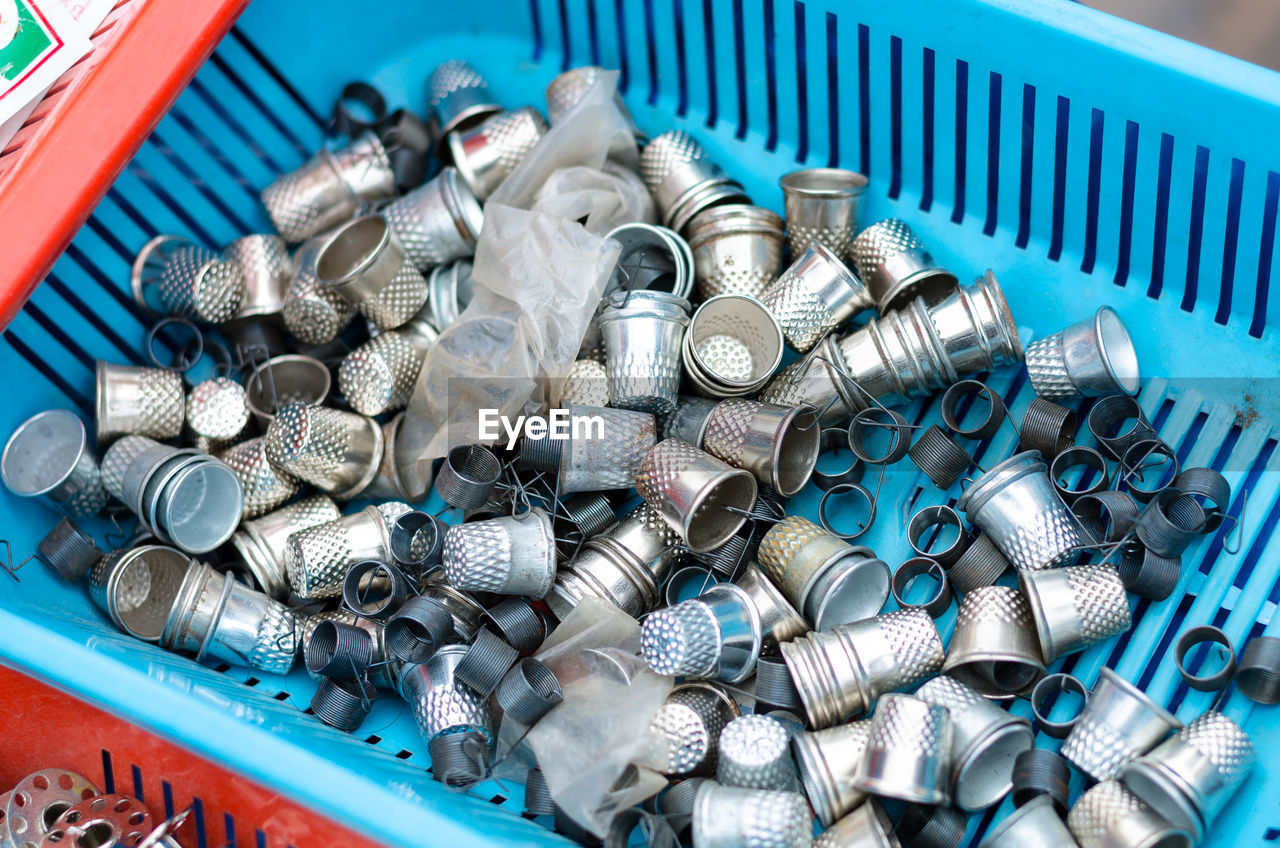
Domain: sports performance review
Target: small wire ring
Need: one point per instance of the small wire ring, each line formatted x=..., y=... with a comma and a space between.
x=1054, y=684
x=934, y=516
x=864, y=421
x=343, y=122
x=379, y=608
x=197, y=337
x=834, y=439
x=1077, y=457
x=1141, y=451
x=841, y=489
x=1210, y=485
x=1196, y=636
x=985, y=429
x=936, y=604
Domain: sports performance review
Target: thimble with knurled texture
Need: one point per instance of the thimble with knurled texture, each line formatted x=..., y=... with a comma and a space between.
x=457, y=97
x=49, y=457
x=440, y=702
x=139, y=401
x=908, y=753
x=1090, y=358
x=316, y=559
x=337, y=452
x=282, y=380
x=778, y=618
x=313, y=312
x=190, y=281
x=216, y=413
x=586, y=384
x=437, y=222
x=365, y=264
x=379, y=375
x=507, y=556
x=715, y=635
x=684, y=180
x=841, y=673
x=814, y=296
x=1034, y=823
x=1119, y=723
x=689, y=723
x=778, y=444
x=1076, y=607
x=486, y=155
x=605, y=452
x=828, y=760
x=265, y=486
x=866, y=827
x=262, y=542
x=267, y=269
x=731, y=347
x=755, y=751
x=1110, y=816
x=568, y=89
x=896, y=267
x=138, y=586
x=701, y=497
x=643, y=332
x=737, y=249
x=329, y=188
x=994, y=648
x=822, y=205
x=737, y=817
x=985, y=741
x=829, y=580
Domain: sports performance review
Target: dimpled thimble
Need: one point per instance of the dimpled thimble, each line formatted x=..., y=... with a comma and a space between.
x=379, y=375
x=569, y=88
x=267, y=269
x=1119, y=723
x=486, y=156
x=48, y=456
x=586, y=384
x=732, y=347
x=908, y=753
x=437, y=222
x=1076, y=607
x=262, y=542
x=715, y=635
x=190, y=281
x=828, y=761
x=316, y=559
x=994, y=648
x=814, y=296
x=508, y=555
x=1110, y=816
x=867, y=826
x=896, y=267
x=643, y=332
x=689, y=723
x=755, y=752
x=458, y=97
x=737, y=817
x=822, y=205
x=365, y=264
x=1090, y=358
x=138, y=401
x=737, y=249
x=337, y=452
x=440, y=702
x=1034, y=823
x=265, y=486
x=684, y=180
x=701, y=497
x=314, y=313
x=216, y=413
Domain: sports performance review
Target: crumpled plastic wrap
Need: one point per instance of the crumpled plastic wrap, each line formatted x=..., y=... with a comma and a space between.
x=601, y=199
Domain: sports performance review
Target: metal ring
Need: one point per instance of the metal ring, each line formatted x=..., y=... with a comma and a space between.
x=339, y=650
x=1140, y=451
x=529, y=691
x=862, y=425
x=957, y=392
x=153, y=256
x=932, y=516
x=939, y=602
x=406, y=534
x=1210, y=485
x=1105, y=422
x=342, y=703
x=517, y=623
x=486, y=662
x=1047, y=428
x=1258, y=677
x=1053, y=685
x=1036, y=772
x=980, y=565
x=940, y=457
x=656, y=829
x=1170, y=522
x=774, y=685
x=1076, y=457
x=680, y=578
x=197, y=338
x=353, y=593
x=459, y=760
x=418, y=629
x=834, y=439
x=1149, y=575
x=343, y=122
x=468, y=476
x=841, y=489
x=1107, y=516
x=1196, y=636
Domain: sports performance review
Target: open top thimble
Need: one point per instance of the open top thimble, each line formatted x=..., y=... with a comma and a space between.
x=449, y=292
x=139, y=401
x=814, y=296
x=313, y=312
x=715, y=635
x=508, y=555
x=364, y=264
x=486, y=155
x=737, y=249
x=1119, y=723
x=265, y=486
x=316, y=558
x=138, y=587
x=283, y=380
x=701, y=497
x=684, y=180
x=908, y=753
x=1110, y=816
x=643, y=332
x=1075, y=607
x=994, y=648
x=568, y=89
x=828, y=761
x=737, y=817
x=437, y=222
x=689, y=723
x=337, y=452
x=48, y=456
x=896, y=267
x=732, y=346
x=261, y=542
x=189, y=280
x=821, y=204
x=267, y=269
x=458, y=97
x=868, y=826
x=1090, y=358
x=975, y=327
x=1034, y=823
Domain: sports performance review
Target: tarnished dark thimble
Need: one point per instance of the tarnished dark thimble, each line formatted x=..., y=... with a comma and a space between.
x=1119, y=723
x=329, y=188
x=828, y=760
x=755, y=752
x=605, y=452
x=316, y=559
x=437, y=222
x=822, y=205
x=49, y=457
x=440, y=702
x=866, y=827
x=715, y=635
x=313, y=312
x=1189, y=778
x=486, y=155
x=190, y=281
x=896, y=267
x=69, y=551
x=1110, y=816
x=908, y=753
x=449, y=292
x=337, y=452
x=1076, y=607
x=985, y=741
x=643, y=332
x=737, y=249
x=995, y=649
x=829, y=580
x=1034, y=823
x=265, y=486
x=586, y=384
x=262, y=542
x=683, y=180
x=732, y=346
x=1090, y=358
x=689, y=420
x=267, y=270
x=283, y=380
x=736, y=817
x=841, y=673
x=507, y=556
x=137, y=587
x=692, y=489
x=216, y=413
x=814, y=296
x=139, y=401
x=363, y=263
x=458, y=97
x=689, y=723
x=379, y=375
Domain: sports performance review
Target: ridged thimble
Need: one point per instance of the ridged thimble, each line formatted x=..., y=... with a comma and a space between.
x=437, y=222
x=1016, y=506
x=780, y=621
x=329, y=188
x=1110, y=816
x=486, y=155
x=265, y=486
x=449, y=292
x=985, y=741
x=586, y=384
x=908, y=754
x=48, y=456
x=866, y=827
x=755, y=752
x=623, y=566
x=643, y=332
x=829, y=580
x=736, y=817
x=283, y=380
x=216, y=413
x=267, y=270
x=458, y=97
x=828, y=760
x=737, y=249
x=821, y=205
x=313, y=312
x=1076, y=607
x=1191, y=776
x=316, y=559
x=262, y=542
x=337, y=452
x=814, y=296
x=1090, y=358
x=379, y=376
x=841, y=673
x=137, y=587
x=715, y=635
x=365, y=264
x=605, y=452
x=440, y=702
x=1034, y=823
x=507, y=556
x=694, y=492
x=896, y=267
x=190, y=281
x=689, y=723
x=684, y=180
x=732, y=346
x=139, y=401
x=1119, y=723
x=994, y=648
x=217, y=616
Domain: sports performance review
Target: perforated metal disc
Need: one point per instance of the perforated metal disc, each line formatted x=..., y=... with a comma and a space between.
x=106, y=821
x=38, y=801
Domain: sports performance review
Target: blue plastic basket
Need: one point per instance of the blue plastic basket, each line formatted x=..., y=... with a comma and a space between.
x=1085, y=159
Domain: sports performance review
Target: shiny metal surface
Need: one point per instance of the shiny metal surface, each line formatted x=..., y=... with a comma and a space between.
x=1119, y=723
x=690, y=489
x=908, y=753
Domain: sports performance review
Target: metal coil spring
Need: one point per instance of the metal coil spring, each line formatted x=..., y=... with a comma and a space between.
x=339, y=651
x=1210, y=485
x=69, y=551
x=1049, y=687
x=529, y=691
x=485, y=663
x=841, y=489
x=727, y=559
x=1170, y=523
x=537, y=794
x=1106, y=422
x=936, y=516
x=469, y=475
x=940, y=457
x=1213, y=681
x=1106, y=516
x=541, y=454
x=1259, y=675
x=774, y=686
x=1135, y=465
x=417, y=540
x=418, y=629
x=1079, y=457
x=985, y=429
x=1048, y=428
x=1036, y=772
x=584, y=515
x=343, y=704
x=923, y=826
x=872, y=420
x=980, y=565
x=1149, y=575
x=517, y=623
x=373, y=589
x=832, y=440
x=938, y=602
x=678, y=799
x=459, y=760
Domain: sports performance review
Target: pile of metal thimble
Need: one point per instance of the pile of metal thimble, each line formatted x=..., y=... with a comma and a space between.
x=55, y=806
x=732, y=349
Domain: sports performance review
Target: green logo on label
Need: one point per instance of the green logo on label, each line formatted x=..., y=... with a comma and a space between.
x=24, y=40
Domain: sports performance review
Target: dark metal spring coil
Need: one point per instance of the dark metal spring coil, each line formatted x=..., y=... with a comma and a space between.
x=469, y=475
x=1106, y=516
x=537, y=794
x=936, y=604
x=985, y=429
x=417, y=540
x=591, y=513
x=529, y=691
x=833, y=440
x=486, y=662
x=1170, y=523
x=1210, y=485
x=872, y=420
x=1079, y=457
x=1258, y=677
x=343, y=704
x=1048, y=428
x=459, y=760
x=980, y=565
x=940, y=457
x=1037, y=772
x=339, y=651
x=517, y=623
x=373, y=589
x=727, y=559
x=774, y=687
x=69, y=551
x=936, y=516
x=923, y=826
x=1149, y=575
x=1141, y=478
x=418, y=629
x=1106, y=422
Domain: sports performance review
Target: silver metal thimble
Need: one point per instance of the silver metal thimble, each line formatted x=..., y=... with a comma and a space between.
x=1110, y=816
x=137, y=400
x=780, y=621
x=755, y=752
x=819, y=381
x=379, y=375
x=49, y=457
x=737, y=249
x=391, y=481
x=568, y=89
x=689, y=420
x=337, y=452
x=828, y=760
x=313, y=312
x=329, y=188
x=262, y=542
x=975, y=327
x=908, y=754
x=265, y=486
x=216, y=412
x=737, y=817
x=1034, y=823
x=283, y=380
x=643, y=331
x=701, y=497
x=732, y=346
x=449, y=292
x=365, y=264
x=689, y=723
x=606, y=450
x=316, y=558
x=841, y=673
x=486, y=155
x=1090, y=358
x=684, y=180
x=652, y=259
x=267, y=270
x=985, y=741
x=437, y=222
x=829, y=580
x=866, y=827
x=586, y=384
x=458, y=97
x=137, y=587
x=440, y=702
x=821, y=205
x=1191, y=776
x=715, y=635
x=509, y=555
x=1119, y=723
x=896, y=267
x=778, y=444
x=465, y=609
x=814, y=296
x=189, y=280
x=994, y=648
x=1076, y=607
